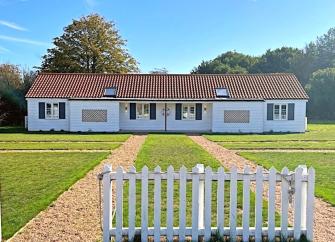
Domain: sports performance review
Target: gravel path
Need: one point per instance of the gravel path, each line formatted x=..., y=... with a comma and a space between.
x=74, y=216
x=324, y=221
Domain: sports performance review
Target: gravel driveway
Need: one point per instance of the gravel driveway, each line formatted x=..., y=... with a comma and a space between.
x=324, y=214
x=74, y=216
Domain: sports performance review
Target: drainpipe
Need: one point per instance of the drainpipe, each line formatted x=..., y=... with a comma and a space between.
x=165, y=117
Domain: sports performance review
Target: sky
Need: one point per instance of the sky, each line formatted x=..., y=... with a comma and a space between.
x=172, y=34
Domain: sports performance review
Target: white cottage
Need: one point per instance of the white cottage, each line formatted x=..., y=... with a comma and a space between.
x=254, y=103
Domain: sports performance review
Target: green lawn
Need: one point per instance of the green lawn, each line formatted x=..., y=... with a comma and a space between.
x=31, y=181
x=55, y=137
x=178, y=150
x=320, y=136
x=316, y=132
x=324, y=164
x=59, y=145
x=299, y=145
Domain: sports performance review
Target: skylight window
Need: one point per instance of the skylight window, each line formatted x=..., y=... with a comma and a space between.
x=221, y=92
x=110, y=92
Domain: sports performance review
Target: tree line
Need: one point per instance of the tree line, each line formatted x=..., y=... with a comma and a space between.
x=314, y=66
x=93, y=45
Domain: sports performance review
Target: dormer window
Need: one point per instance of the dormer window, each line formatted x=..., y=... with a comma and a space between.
x=221, y=92
x=110, y=92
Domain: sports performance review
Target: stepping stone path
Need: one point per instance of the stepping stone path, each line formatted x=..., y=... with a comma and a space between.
x=324, y=213
x=74, y=216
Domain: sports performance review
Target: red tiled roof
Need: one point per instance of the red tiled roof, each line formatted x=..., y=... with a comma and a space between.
x=167, y=86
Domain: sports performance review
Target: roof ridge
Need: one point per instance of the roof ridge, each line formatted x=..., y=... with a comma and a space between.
x=169, y=74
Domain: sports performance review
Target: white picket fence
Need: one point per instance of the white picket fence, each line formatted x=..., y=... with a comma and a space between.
x=298, y=184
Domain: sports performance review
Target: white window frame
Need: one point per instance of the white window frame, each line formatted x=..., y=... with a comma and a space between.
x=54, y=112
x=280, y=115
x=189, y=115
x=143, y=115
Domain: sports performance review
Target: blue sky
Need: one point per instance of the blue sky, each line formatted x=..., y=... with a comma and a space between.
x=175, y=34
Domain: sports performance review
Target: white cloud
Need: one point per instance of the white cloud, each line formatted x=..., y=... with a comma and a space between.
x=12, y=25
x=22, y=40
x=90, y=3
x=4, y=50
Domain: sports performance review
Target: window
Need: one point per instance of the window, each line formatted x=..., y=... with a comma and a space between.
x=52, y=111
x=280, y=112
x=221, y=92
x=188, y=112
x=142, y=110
x=110, y=92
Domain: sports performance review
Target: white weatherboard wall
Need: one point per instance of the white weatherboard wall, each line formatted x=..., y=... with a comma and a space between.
x=296, y=125
x=76, y=123
x=141, y=124
x=255, y=124
x=36, y=124
x=159, y=123
x=190, y=125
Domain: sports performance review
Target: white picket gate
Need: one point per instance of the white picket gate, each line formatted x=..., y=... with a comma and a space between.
x=298, y=184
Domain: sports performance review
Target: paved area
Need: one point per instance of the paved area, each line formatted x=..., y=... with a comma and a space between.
x=74, y=216
x=324, y=222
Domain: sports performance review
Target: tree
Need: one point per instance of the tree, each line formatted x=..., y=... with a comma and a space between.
x=321, y=92
x=278, y=60
x=14, y=84
x=91, y=45
x=230, y=62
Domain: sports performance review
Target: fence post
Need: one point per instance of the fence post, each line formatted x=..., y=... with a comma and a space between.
x=310, y=204
x=303, y=197
x=201, y=169
x=107, y=198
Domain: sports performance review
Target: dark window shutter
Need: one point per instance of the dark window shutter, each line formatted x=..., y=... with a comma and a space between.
x=270, y=111
x=41, y=110
x=152, y=110
x=61, y=110
x=198, y=111
x=178, y=111
x=132, y=111
x=290, y=111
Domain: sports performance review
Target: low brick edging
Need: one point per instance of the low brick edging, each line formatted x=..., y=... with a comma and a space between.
x=75, y=216
x=324, y=213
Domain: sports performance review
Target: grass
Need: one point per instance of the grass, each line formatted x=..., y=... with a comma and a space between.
x=302, y=145
x=31, y=181
x=324, y=164
x=178, y=150
x=58, y=145
x=316, y=132
x=319, y=136
x=58, y=137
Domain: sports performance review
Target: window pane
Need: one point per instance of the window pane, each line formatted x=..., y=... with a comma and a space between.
x=276, y=109
x=48, y=108
x=192, y=112
x=192, y=109
x=139, y=110
x=283, y=112
x=55, y=110
x=146, y=110
x=185, y=112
